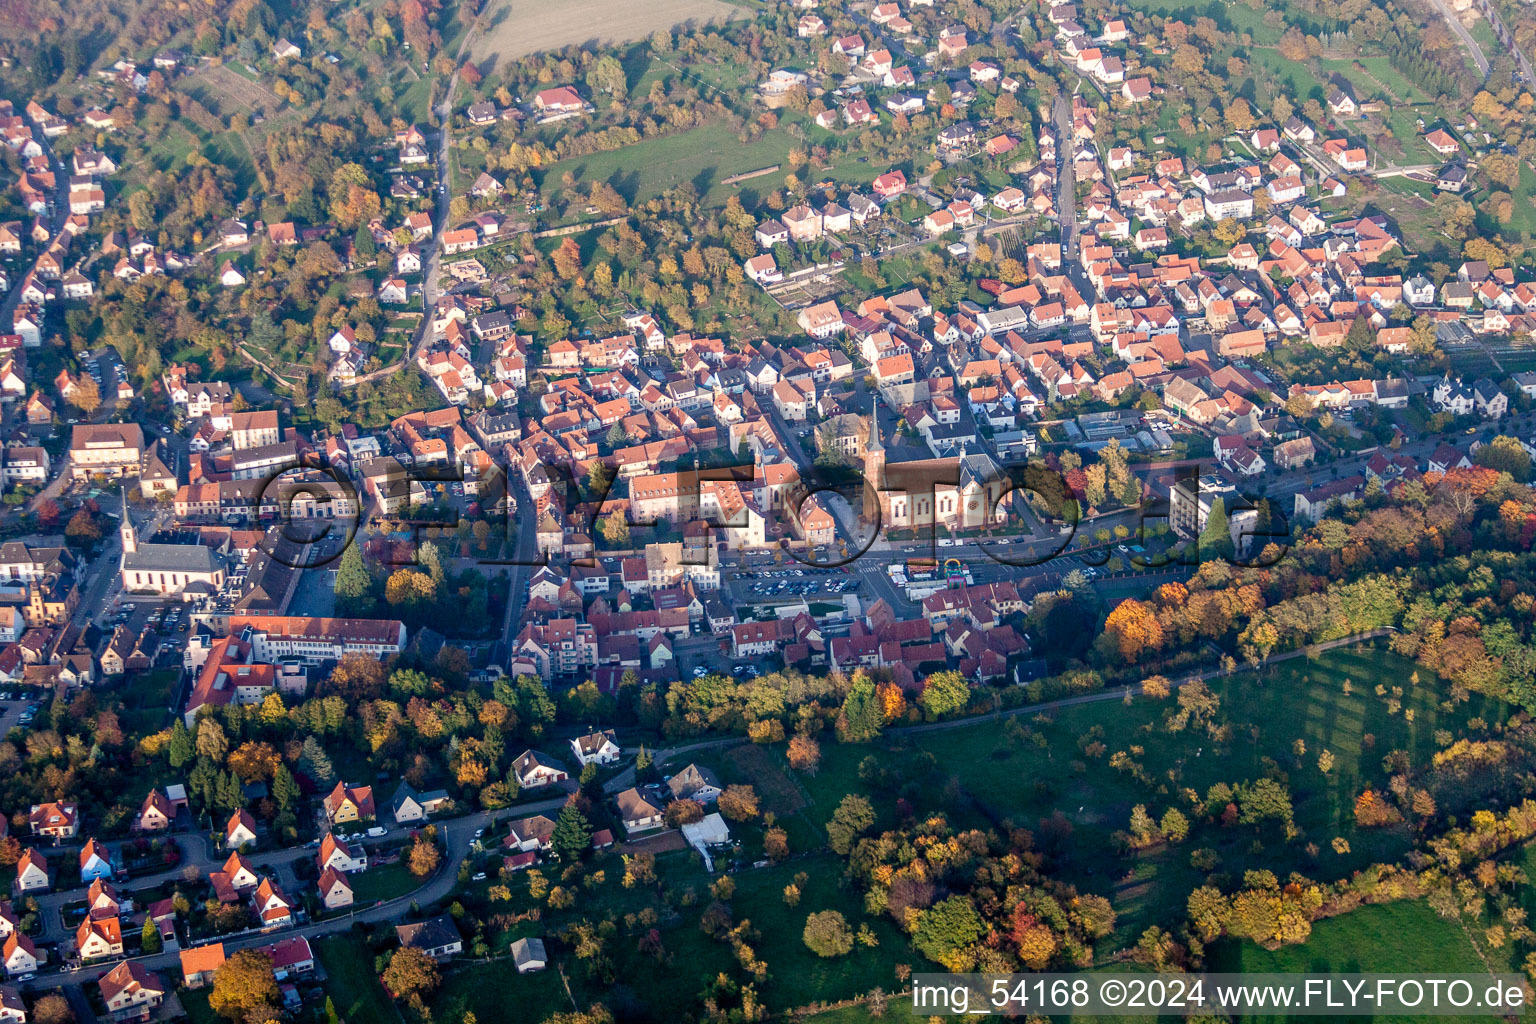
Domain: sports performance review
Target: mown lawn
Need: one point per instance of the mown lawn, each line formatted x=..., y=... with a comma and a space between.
x=702, y=156
x=382, y=882
x=1393, y=938
x=496, y=993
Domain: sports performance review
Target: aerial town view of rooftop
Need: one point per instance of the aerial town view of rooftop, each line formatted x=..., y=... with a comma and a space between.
x=724, y=511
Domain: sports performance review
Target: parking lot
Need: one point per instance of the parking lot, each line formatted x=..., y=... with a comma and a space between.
x=763, y=585
x=170, y=619
x=18, y=707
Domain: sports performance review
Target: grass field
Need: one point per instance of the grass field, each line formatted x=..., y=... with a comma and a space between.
x=351, y=982
x=799, y=976
x=1397, y=938
x=1296, y=76
x=981, y=776
x=515, y=29
x=1524, y=217
x=382, y=882
x=495, y=993
x=1298, y=700
x=1229, y=16
x=1393, y=938
x=703, y=156
x=146, y=697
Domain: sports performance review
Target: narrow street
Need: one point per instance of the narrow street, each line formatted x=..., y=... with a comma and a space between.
x=526, y=549
x=1066, y=185
x=432, y=270
x=458, y=834
x=58, y=213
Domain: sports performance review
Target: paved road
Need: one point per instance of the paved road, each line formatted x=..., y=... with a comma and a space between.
x=1066, y=186
x=432, y=271
x=58, y=213
x=1503, y=35
x=527, y=549
x=457, y=834
x=1451, y=19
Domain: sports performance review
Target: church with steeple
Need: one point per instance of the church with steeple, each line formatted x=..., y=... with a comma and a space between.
x=170, y=570
x=960, y=492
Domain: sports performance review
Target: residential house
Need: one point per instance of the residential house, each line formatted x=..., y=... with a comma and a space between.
x=535, y=769
x=335, y=890
x=596, y=748
x=438, y=937
x=349, y=803
x=695, y=782
x=637, y=813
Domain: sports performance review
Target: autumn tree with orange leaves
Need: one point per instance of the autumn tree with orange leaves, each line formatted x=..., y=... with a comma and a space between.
x=1132, y=630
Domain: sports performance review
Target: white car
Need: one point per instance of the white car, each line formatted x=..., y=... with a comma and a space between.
x=377, y=832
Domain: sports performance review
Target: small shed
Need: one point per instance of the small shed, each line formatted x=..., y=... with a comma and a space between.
x=529, y=955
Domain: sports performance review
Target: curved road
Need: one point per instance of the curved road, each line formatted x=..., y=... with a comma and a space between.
x=457, y=835
x=1457, y=27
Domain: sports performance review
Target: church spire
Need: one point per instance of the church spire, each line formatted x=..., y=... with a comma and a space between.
x=873, y=444
x=125, y=528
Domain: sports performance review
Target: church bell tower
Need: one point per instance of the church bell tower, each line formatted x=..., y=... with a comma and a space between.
x=125, y=529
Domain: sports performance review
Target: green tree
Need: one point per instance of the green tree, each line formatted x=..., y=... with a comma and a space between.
x=572, y=836
x=149, y=937
x=1216, y=539
x=315, y=762
x=852, y=817
x=827, y=934
x=285, y=790
x=1174, y=826
x=179, y=750
x=946, y=928
x=861, y=716
x=945, y=693
x=363, y=244
x=1506, y=455
x=354, y=585
x=534, y=708
x=228, y=794
x=607, y=75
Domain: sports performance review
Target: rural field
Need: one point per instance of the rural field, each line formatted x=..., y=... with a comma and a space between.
x=1392, y=938
x=1060, y=775
x=515, y=28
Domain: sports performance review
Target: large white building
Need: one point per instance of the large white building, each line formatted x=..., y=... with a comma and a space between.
x=171, y=570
